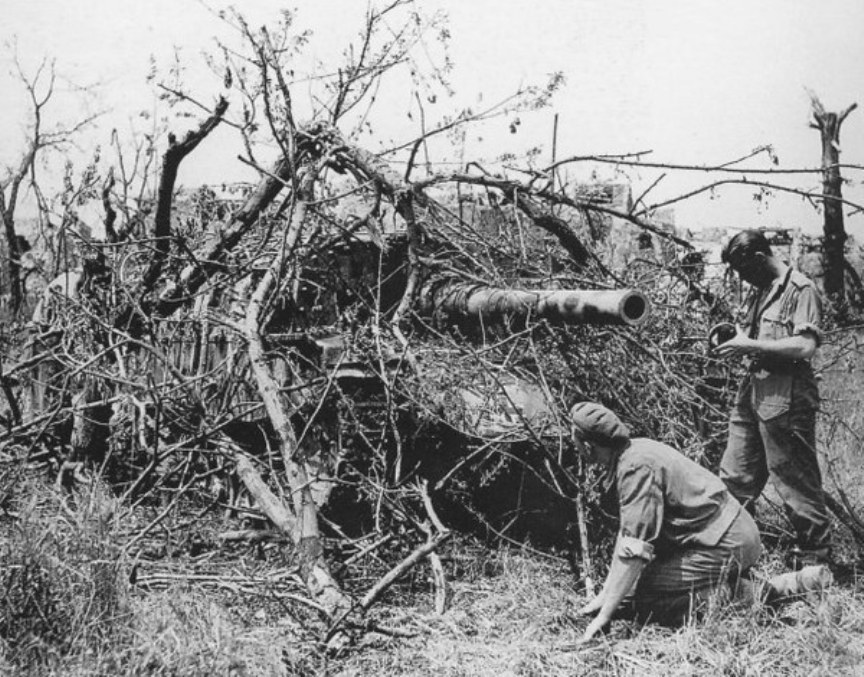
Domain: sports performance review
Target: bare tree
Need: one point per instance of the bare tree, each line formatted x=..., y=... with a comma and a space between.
x=40, y=88
x=834, y=231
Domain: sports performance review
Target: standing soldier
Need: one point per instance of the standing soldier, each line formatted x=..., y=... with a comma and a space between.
x=772, y=427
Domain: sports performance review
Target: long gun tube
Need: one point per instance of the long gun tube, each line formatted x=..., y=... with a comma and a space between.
x=466, y=301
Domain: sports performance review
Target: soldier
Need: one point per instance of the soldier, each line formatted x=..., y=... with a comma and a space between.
x=772, y=427
x=682, y=534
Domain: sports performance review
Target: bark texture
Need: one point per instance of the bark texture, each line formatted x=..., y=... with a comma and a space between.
x=834, y=230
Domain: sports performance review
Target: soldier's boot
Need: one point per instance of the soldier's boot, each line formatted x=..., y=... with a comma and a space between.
x=807, y=583
x=798, y=558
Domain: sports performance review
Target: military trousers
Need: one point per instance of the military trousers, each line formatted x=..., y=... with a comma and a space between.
x=677, y=581
x=772, y=434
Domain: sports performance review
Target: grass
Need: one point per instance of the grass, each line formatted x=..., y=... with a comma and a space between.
x=519, y=622
x=63, y=591
x=510, y=614
x=67, y=606
x=188, y=632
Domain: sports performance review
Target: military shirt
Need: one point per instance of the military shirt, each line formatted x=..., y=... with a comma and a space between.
x=667, y=501
x=791, y=306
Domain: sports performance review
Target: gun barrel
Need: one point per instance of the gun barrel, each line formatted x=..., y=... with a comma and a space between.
x=465, y=301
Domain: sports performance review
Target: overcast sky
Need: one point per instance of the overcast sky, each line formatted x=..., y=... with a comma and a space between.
x=694, y=81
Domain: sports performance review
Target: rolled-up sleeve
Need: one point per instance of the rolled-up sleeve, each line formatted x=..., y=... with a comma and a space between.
x=641, y=510
x=808, y=314
x=628, y=547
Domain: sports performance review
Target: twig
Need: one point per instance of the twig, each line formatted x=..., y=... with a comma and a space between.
x=368, y=549
x=584, y=543
x=400, y=570
x=385, y=582
x=439, y=577
x=254, y=535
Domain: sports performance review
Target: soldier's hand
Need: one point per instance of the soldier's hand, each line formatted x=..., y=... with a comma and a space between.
x=739, y=345
x=595, y=629
x=592, y=607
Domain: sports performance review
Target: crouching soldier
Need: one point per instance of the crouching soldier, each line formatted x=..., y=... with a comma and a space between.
x=681, y=534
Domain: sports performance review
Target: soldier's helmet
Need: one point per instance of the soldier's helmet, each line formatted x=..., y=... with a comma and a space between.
x=595, y=423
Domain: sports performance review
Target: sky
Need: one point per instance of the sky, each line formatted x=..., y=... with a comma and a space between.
x=692, y=81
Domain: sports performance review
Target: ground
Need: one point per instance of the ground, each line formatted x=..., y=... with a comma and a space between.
x=520, y=621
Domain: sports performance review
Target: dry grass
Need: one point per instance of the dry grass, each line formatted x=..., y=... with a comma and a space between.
x=519, y=622
x=841, y=434
x=188, y=632
x=511, y=614
x=63, y=591
x=67, y=606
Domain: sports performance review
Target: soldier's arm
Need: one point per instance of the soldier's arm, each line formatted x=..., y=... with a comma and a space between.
x=623, y=576
x=798, y=347
x=641, y=505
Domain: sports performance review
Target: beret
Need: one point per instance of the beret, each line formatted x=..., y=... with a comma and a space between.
x=593, y=421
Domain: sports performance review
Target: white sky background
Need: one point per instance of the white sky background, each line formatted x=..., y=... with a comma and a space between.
x=695, y=81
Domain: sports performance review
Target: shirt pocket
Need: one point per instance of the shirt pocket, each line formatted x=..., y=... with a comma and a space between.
x=772, y=394
x=772, y=324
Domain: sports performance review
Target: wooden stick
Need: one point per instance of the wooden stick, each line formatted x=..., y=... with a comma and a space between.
x=253, y=535
x=439, y=581
x=368, y=549
x=385, y=582
x=439, y=576
x=587, y=568
x=266, y=499
x=400, y=569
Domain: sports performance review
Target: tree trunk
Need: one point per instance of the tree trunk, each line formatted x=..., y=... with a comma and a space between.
x=302, y=523
x=13, y=258
x=313, y=566
x=834, y=230
x=170, y=164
